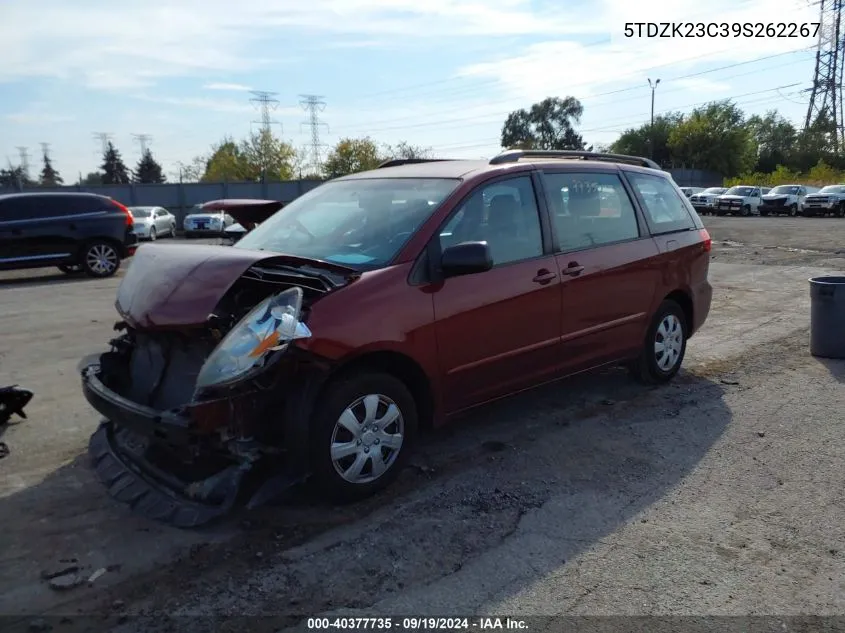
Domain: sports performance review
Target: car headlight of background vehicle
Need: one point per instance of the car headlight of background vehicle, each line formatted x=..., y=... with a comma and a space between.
x=267, y=329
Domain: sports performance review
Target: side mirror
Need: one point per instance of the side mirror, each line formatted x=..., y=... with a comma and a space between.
x=466, y=258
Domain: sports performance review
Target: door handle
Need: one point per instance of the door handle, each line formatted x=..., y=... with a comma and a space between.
x=573, y=269
x=544, y=276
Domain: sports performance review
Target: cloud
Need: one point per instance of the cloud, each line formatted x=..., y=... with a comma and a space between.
x=227, y=87
x=134, y=43
x=560, y=67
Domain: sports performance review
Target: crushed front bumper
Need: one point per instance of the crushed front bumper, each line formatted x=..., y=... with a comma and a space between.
x=120, y=450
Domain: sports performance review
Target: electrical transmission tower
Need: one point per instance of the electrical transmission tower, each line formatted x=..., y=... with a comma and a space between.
x=45, y=150
x=104, y=138
x=826, y=93
x=23, y=152
x=266, y=102
x=143, y=140
x=313, y=105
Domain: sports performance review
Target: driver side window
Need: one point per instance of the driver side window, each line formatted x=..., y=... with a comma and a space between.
x=505, y=215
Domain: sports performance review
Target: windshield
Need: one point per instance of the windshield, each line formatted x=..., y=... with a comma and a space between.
x=361, y=223
x=714, y=190
x=791, y=190
x=833, y=189
x=139, y=212
x=739, y=191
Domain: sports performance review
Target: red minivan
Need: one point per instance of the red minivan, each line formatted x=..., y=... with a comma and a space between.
x=379, y=304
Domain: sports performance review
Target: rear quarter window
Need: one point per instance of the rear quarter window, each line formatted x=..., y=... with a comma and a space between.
x=665, y=208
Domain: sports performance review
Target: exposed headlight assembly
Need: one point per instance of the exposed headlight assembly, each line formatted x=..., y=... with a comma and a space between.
x=267, y=329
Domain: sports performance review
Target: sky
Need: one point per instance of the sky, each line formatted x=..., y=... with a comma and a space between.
x=441, y=74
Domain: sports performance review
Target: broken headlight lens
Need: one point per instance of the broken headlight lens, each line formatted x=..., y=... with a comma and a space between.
x=268, y=328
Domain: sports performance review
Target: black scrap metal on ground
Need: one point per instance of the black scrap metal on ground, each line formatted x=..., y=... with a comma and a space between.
x=12, y=401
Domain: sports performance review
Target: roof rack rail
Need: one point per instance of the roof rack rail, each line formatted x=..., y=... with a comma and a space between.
x=513, y=156
x=395, y=162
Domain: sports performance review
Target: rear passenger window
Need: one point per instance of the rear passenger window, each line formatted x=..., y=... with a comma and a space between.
x=590, y=209
x=665, y=209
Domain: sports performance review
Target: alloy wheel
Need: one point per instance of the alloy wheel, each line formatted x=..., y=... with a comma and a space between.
x=367, y=439
x=669, y=342
x=102, y=259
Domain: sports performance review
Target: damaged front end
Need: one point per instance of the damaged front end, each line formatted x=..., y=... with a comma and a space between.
x=203, y=417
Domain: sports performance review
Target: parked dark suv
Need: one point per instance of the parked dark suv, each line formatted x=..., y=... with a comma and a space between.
x=73, y=231
x=380, y=303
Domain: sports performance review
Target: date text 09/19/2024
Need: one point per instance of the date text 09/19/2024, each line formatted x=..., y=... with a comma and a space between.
x=722, y=29
x=423, y=623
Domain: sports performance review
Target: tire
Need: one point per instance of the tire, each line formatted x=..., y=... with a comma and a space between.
x=100, y=259
x=793, y=210
x=70, y=269
x=153, y=234
x=348, y=393
x=172, y=230
x=647, y=368
x=840, y=212
x=745, y=211
x=764, y=214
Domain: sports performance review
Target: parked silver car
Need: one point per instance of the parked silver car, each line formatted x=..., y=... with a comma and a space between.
x=153, y=222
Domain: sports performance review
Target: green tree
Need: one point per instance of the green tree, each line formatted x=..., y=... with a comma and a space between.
x=193, y=171
x=269, y=157
x=352, y=155
x=49, y=176
x=823, y=173
x=404, y=150
x=548, y=124
x=15, y=178
x=148, y=170
x=114, y=170
x=228, y=163
x=93, y=178
x=775, y=137
x=714, y=137
x=637, y=141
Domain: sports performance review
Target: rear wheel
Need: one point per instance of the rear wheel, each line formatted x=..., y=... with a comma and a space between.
x=664, y=347
x=363, y=433
x=100, y=259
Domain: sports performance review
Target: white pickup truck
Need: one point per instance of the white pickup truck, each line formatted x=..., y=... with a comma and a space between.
x=785, y=200
x=828, y=200
x=740, y=200
x=704, y=202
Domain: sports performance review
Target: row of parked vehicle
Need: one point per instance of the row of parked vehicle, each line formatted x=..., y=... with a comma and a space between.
x=748, y=200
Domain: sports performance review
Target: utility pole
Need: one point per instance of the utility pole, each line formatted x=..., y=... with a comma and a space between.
x=104, y=138
x=314, y=104
x=826, y=93
x=23, y=152
x=266, y=102
x=653, y=86
x=143, y=140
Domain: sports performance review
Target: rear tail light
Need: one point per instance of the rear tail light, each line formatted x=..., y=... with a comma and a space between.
x=129, y=220
x=705, y=240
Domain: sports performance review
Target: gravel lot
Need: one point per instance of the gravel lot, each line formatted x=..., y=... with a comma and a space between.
x=718, y=494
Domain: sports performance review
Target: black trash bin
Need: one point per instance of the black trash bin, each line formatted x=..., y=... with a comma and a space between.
x=827, y=317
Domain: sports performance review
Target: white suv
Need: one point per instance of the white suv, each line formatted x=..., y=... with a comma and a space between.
x=740, y=200
x=704, y=202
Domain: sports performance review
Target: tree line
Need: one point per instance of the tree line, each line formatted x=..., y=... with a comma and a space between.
x=716, y=137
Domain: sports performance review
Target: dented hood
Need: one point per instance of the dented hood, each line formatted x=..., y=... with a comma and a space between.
x=171, y=285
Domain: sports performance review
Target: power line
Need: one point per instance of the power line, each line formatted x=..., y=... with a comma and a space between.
x=631, y=75
x=104, y=138
x=143, y=140
x=23, y=153
x=826, y=92
x=266, y=102
x=45, y=150
x=634, y=119
x=314, y=104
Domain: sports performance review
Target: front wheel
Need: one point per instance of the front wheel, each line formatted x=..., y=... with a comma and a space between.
x=840, y=212
x=664, y=347
x=362, y=435
x=746, y=211
x=100, y=259
x=153, y=234
x=793, y=210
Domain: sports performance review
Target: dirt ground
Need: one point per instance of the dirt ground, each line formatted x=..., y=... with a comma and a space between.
x=718, y=494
